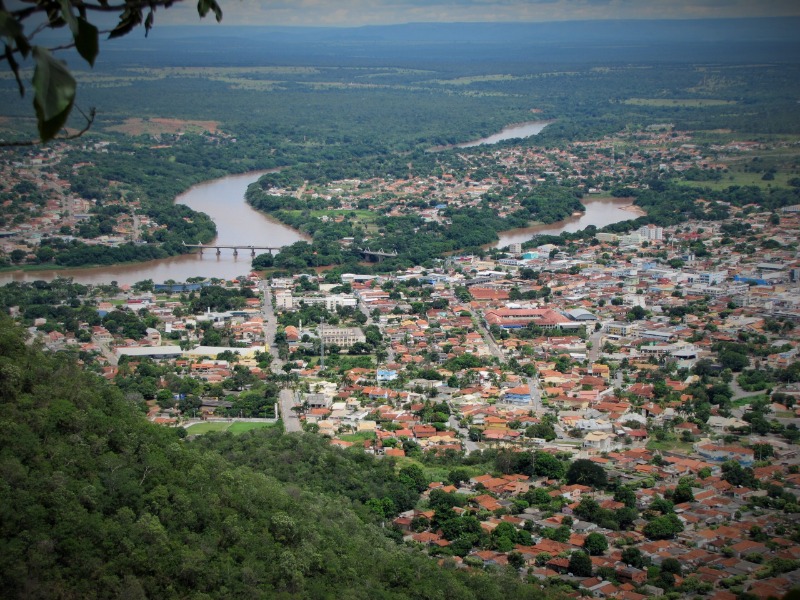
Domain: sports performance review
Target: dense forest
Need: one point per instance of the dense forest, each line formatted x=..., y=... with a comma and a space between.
x=98, y=503
x=413, y=239
x=387, y=95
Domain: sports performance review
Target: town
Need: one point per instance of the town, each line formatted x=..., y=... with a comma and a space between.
x=53, y=208
x=473, y=301
x=617, y=414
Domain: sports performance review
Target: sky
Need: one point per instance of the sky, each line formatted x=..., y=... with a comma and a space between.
x=349, y=13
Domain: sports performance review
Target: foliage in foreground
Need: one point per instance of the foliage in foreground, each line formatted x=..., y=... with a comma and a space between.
x=96, y=503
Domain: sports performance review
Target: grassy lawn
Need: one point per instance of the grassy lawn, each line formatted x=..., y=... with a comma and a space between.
x=437, y=473
x=358, y=437
x=433, y=473
x=748, y=400
x=206, y=427
x=245, y=426
x=233, y=427
x=670, y=446
x=364, y=216
x=441, y=473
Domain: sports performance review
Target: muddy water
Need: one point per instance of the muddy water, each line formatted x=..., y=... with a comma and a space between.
x=237, y=223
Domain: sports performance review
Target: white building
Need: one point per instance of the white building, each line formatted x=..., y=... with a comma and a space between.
x=607, y=237
x=632, y=239
x=651, y=233
x=287, y=301
x=713, y=277
x=341, y=336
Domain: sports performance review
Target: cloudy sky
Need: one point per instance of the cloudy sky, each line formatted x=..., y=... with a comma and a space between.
x=379, y=12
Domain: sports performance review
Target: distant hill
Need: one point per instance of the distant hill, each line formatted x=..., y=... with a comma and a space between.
x=715, y=40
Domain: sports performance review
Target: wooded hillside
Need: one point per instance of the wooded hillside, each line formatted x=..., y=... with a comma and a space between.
x=98, y=503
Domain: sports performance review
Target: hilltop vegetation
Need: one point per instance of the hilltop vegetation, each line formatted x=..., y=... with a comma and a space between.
x=99, y=503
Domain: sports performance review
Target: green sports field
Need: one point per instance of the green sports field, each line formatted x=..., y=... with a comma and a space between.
x=234, y=427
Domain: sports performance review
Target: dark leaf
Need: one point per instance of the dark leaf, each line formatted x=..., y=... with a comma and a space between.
x=12, y=62
x=129, y=19
x=87, y=40
x=54, y=17
x=68, y=17
x=148, y=23
x=10, y=28
x=54, y=93
x=203, y=6
x=84, y=33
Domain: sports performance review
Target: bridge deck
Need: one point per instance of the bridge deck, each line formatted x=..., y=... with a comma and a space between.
x=233, y=246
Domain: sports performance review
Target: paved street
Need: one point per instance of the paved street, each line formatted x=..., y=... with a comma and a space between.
x=291, y=421
x=487, y=337
x=536, y=395
x=108, y=353
x=594, y=351
x=469, y=445
x=270, y=320
x=390, y=356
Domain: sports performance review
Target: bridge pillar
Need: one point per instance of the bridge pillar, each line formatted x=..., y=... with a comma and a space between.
x=218, y=252
x=252, y=252
x=201, y=251
x=235, y=252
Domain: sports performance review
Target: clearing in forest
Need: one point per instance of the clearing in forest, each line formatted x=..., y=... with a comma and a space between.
x=155, y=126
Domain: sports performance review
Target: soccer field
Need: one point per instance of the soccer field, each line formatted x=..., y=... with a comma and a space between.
x=234, y=427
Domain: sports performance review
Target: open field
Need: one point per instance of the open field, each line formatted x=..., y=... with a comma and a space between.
x=747, y=400
x=739, y=178
x=678, y=102
x=770, y=166
x=155, y=126
x=432, y=473
x=670, y=446
x=235, y=427
x=362, y=216
x=358, y=437
x=438, y=472
x=475, y=79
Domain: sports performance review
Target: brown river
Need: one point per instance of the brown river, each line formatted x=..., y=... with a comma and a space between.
x=599, y=212
x=238, y=223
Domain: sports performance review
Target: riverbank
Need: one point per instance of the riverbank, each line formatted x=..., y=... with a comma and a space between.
x=600, y=211
x=633, y=209
x=236, y=222
x=224, y=201
x=514, y=131
x=460, y=225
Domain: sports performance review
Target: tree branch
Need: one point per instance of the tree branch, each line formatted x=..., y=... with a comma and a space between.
x=53, y=84
x=89, y=121
x=25, y=13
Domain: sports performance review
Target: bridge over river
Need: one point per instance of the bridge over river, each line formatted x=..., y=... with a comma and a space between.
x=372, y=255
x=376, y=255
x=236, y=248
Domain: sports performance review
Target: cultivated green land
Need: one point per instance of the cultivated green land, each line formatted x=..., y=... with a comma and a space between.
x=232, y=427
